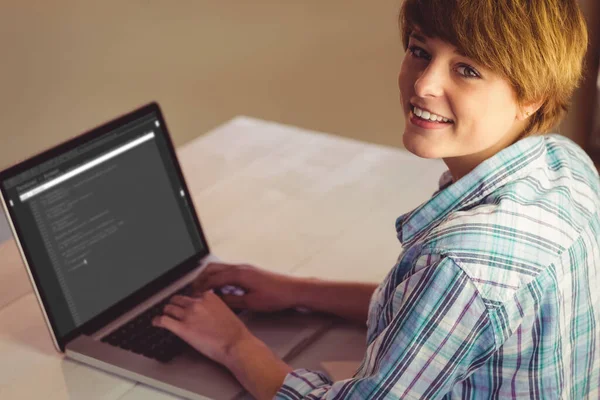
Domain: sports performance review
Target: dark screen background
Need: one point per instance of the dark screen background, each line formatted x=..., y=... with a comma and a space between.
x=101, y=235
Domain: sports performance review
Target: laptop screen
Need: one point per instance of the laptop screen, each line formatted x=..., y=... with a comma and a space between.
x=103, y=219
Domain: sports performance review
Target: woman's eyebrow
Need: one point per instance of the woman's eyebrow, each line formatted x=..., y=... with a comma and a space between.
x=418, y=37
x=423, y=40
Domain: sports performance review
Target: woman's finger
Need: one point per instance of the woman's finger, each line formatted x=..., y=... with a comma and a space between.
x=169, y=323
x=174, y=311
x=181, y=301
x=230, y=276
x=210, y=269
x=214, y=267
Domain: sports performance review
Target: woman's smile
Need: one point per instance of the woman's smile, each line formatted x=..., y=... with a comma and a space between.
x=427, y=124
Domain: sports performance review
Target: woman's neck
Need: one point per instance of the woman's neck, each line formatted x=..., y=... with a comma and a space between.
x=460, y=166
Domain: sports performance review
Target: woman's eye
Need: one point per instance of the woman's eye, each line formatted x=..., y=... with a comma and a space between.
x=469, y=72
x=418, y=52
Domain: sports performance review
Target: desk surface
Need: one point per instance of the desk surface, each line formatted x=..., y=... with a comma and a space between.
x=283, y=198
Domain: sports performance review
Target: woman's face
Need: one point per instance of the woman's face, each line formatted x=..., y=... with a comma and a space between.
x=481, y=106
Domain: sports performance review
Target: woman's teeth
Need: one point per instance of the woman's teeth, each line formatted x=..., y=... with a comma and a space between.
x=429, y=116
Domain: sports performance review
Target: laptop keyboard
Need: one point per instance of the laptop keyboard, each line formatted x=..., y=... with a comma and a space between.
x=141, y=337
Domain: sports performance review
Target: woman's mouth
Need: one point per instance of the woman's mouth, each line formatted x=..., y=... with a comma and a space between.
x=427, y=123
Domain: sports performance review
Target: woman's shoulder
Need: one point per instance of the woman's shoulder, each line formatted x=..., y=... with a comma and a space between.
x=564, y=153
x=514, y=228
x=516, y=232
x=517, y=229
x=549, y=203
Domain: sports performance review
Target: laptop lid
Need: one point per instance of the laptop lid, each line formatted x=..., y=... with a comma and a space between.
x=103, y=221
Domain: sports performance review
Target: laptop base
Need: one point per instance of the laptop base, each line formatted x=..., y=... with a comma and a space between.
x=194, y=376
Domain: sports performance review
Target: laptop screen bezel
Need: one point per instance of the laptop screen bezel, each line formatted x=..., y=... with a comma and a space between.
x=146, y=291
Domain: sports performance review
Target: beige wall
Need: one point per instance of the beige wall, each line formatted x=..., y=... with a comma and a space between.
x=326, y=65
x=69, y=65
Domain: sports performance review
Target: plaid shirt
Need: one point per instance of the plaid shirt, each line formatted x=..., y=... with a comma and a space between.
x=496, y=293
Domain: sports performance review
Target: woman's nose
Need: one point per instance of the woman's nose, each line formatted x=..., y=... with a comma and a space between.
x=430, y=82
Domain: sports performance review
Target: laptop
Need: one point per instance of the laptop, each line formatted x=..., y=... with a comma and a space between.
x=108, y=233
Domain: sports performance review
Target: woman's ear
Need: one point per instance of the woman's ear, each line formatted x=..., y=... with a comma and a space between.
x=529, y=109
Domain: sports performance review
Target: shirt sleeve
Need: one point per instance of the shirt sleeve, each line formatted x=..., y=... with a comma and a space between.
x=438, y=332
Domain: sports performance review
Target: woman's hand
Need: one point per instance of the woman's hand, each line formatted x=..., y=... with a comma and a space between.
x=265, y=291
x=205, y=323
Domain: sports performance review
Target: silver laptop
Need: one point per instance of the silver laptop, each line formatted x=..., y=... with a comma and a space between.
x=108, y=232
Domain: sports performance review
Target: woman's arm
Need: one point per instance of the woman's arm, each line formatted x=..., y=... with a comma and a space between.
x=266, y=291
x=256, y=368
x=348, y=300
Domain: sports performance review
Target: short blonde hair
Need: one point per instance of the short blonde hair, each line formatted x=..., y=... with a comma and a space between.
x=537, y=45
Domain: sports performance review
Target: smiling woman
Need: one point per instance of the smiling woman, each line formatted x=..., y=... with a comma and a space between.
x=494, y=294
x=536, y=46
x=500, y=70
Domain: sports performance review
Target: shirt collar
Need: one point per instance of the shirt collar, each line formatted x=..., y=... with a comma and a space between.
x=498, y=170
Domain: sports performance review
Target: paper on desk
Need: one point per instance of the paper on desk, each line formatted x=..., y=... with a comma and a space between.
x=340, y=370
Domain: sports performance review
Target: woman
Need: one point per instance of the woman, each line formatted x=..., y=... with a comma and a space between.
x=495, y=292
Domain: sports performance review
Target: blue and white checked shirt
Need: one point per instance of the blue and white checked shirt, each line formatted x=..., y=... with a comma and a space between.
x=496, y=293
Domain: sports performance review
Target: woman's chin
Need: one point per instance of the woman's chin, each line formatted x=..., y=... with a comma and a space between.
x=420, y=146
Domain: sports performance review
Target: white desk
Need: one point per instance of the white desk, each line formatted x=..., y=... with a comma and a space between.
x=283, y=198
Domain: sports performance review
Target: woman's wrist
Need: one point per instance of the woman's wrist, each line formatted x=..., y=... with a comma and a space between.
x=256, y=367
x=234, y=351
x=301, y=292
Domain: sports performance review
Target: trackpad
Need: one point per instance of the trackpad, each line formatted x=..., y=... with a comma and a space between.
x=287, y=332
